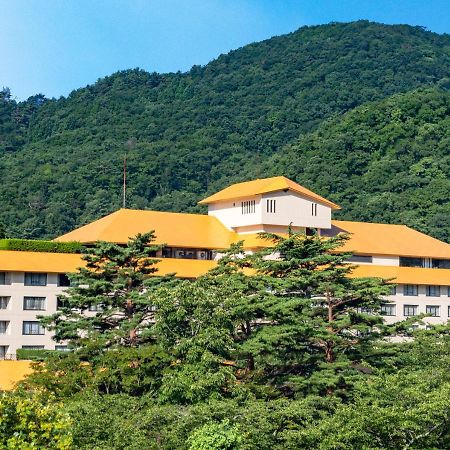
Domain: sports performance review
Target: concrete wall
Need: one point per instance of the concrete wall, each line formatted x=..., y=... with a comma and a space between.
x=290, y=208
x=16, y=315
x=421, y=300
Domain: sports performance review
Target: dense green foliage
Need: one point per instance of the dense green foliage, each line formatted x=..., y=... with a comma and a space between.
x=388, y=160
x=33, y=421
x=189, y=134
x=32, y=245
x=258, y=354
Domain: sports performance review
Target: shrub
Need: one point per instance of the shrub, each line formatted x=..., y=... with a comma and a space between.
x=28, y=245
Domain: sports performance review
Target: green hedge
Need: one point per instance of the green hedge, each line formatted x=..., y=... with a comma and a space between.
x=28, y=245
x=33, y=354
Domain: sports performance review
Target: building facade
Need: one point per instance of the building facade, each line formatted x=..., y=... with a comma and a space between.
x=419, y=265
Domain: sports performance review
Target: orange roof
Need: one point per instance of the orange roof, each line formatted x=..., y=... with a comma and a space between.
x=184, y=268
x=15, y=261
x=264, y=186
x=11, y=372
x=173, y=229
x=405, y=275
x=385, y=239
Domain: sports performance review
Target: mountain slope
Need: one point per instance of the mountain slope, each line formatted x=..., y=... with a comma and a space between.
x=190, y=134
x=387, y=161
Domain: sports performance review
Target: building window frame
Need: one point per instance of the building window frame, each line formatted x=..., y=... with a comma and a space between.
x=433, y=291
x=410, y=310
x=433, y=310
x=34, y=303
x=271, y=206
x=388, y=309
x=411, y=290
x=35, y=279
x=32, y=328
x=63, y=280
x=4, y=302
x=4, y=326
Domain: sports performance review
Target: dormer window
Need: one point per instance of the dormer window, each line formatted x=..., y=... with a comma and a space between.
x=314, y=209
x=248, y=207
x=271, y=206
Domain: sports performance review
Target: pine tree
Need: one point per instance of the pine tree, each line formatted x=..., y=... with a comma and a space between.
x=115, y=284
x=306, y=323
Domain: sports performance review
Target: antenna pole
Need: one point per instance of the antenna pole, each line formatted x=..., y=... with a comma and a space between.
x=124, y=180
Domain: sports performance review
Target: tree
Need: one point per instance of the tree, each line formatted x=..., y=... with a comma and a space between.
x=2, y=231
x=215, y=436
x=33, y=421
x=313, y=323
x=115, y=283
x=194, y=324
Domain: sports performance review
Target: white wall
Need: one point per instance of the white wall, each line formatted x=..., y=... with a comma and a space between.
x=380, y=260
x=290, y=208
x=15, y=313
x=422, y=300
x=230, y=212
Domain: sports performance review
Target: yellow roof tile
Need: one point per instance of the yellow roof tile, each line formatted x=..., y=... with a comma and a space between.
x=15, y=261
x=11, y=372
x=264, y=186
x=405, y=275
x=173, y=229
x=385, y=239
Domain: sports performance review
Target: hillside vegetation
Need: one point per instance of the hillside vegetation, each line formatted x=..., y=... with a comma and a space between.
x=189, y=134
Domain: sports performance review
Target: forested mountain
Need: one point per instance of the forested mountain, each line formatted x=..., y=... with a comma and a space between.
x=188, y=134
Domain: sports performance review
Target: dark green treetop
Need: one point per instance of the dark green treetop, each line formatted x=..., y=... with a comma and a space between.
x=115, y=284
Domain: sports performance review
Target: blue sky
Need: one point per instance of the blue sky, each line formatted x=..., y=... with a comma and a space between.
x=55, y=46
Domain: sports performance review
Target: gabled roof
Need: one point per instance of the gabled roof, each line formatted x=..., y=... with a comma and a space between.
x=264, y=186
x=173, y=229
x=385, y=239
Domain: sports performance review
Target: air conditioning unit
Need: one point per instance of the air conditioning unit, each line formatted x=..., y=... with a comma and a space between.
x=180, y=254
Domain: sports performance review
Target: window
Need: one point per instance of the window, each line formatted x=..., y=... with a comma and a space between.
x=2, y=277
x=34, y=303
x=387, y=309
x=248, y=207
x=4, y=324
x=33, y=347
x=35, y=279
x=393, y=290
x=433, y=310
x=440, y=264
x=410, y=289
x=310, y=231
x=32, y=328
x=4, y=302
x=360, y=259
x=410, y=310
x=62, y=348
x=411, y=262
x=95, y=308
x=63, y=280
x=448, y=311
x=433, y=291
x=271, y=206
x=3, y=351
x=314, y=209
x=61, y=302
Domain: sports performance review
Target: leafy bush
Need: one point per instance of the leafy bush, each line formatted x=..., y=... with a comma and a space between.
x=33, y=354
x=33, y=422
x=29, y=245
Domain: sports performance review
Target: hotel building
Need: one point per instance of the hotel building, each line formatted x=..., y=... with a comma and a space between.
x=30, y=282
